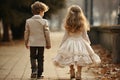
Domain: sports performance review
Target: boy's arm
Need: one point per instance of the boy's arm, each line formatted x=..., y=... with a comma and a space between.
x=26, y=34
x=47, y=35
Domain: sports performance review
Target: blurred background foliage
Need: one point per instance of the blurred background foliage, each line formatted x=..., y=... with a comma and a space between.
x=13, y=14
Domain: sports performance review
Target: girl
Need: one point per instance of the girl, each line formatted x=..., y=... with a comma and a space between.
x=75, y=49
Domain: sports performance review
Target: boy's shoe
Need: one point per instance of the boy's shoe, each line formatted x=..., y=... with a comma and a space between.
x=40, y=77
x=34, y=75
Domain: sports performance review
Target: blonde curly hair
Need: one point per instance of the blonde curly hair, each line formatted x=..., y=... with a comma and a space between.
x=39, y=6
x=75, y=20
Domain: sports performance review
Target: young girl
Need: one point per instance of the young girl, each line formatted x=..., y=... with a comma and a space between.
x=75, y=49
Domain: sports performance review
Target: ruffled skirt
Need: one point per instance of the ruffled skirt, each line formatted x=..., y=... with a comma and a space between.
x=76, y=51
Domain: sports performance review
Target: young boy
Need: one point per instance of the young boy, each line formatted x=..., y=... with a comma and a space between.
x=37, y=37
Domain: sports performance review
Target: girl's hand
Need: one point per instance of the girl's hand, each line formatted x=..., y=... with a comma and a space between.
x=27, y=47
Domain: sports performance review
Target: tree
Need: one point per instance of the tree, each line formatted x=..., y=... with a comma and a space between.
x=104, y=13
x=14, y=13
x=54, y=5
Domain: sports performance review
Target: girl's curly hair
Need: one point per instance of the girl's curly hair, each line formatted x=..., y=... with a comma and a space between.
x=75, y=20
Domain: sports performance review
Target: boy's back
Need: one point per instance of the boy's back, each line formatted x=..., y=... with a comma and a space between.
x=36, y=26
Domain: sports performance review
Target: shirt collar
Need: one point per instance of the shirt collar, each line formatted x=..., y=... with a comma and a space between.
x=37, y=17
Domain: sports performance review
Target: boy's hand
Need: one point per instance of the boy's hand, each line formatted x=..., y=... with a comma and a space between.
x=48, y=47
x=27, y=46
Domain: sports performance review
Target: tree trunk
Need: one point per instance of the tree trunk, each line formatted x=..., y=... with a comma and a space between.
x=17, y=31
x=6, y=36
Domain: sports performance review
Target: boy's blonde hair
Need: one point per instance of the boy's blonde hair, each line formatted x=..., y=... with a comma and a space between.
x=39, y=6
x=75, y=20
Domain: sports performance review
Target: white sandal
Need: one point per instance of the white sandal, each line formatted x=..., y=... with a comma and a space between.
x=72, y=74
x=78, y=75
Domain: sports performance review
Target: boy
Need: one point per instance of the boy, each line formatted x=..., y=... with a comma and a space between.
x=37, y=37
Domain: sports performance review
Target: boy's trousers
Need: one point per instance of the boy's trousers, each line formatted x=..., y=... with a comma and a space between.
x=37, y=59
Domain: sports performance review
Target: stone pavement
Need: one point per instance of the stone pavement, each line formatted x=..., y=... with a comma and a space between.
x=15, y=63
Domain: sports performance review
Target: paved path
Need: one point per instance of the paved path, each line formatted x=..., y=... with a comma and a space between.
x=15, y=65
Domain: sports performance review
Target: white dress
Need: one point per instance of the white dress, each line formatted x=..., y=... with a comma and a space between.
x=75, y=49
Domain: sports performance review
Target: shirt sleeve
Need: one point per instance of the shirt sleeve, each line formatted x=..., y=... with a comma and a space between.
x=86, y=37
x=64, y=37
x=26, y=33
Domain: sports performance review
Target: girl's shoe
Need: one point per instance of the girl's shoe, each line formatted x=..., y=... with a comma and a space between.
x=72, y=74
x=78, y=75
